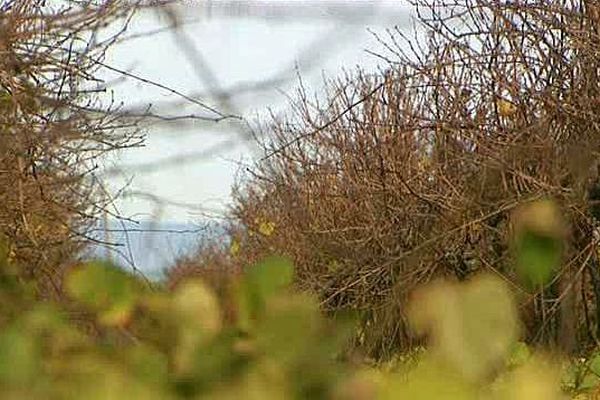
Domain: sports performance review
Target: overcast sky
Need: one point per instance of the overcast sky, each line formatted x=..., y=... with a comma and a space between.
x=221, y=47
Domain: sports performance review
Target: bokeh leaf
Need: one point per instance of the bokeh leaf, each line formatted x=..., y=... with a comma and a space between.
x=539, y=234
x=430, y=380
x=471, y=326
x=106, y=289
x=198, y=315
x=270, y=276
x=535, y=380
x=260, y=283
x=519, y=354
x=290, y=327
x=537, y=257
x=19, y=357
x=594, y=364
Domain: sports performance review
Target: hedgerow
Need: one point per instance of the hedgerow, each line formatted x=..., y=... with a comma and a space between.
x=55, y=131
x=408, y=175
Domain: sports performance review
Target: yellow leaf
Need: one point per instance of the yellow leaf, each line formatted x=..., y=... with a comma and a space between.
x=536, y=380
x=472, y=326
x=198, y=313
x=506, y=108
x=266, y=228
x=198, y=309
x=543, y=217
x=235, y=247
x=117, y=316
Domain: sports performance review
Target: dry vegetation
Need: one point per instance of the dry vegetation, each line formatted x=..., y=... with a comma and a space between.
x=54, y=130
x=409, y=175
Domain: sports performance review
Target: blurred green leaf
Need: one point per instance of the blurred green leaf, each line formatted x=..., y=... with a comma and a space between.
x=148, y=364
x=539, y=233
x=199, y=318
x=534, y=380
x=210, y=365
x=19, y=357
x=197, y=307
x=588, y=382
x=270, y=276
x=430, y=380
x=99, y=378
x=260, y=283
x=594, y=364
x=290, y=327
x=105, y=288
x=519, y=354
x=537, y=257
x=472, y=326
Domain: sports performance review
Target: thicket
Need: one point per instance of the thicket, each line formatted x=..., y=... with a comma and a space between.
x=398, y=178
x=54, y=129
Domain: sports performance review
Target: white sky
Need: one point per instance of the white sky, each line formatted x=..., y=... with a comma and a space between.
x=242, y=44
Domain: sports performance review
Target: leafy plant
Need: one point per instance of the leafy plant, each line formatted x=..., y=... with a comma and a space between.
x=156, y=344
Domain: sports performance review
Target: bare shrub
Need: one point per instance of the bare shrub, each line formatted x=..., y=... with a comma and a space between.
x=412, y=174
x=53, y=129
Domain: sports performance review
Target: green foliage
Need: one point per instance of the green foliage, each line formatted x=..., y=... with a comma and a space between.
x=538, y=241
x=582, y=376
x=473, y=326
x=106, y=289
x=538, y=256
x=262, y=282
x=154, y=344
x=519, y=355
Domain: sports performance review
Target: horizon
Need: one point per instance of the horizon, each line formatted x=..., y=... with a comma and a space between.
x=150, y=246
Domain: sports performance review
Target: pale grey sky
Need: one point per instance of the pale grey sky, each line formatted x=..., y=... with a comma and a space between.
x=239, y=42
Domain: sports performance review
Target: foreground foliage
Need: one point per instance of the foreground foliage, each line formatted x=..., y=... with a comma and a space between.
x=261, y=339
